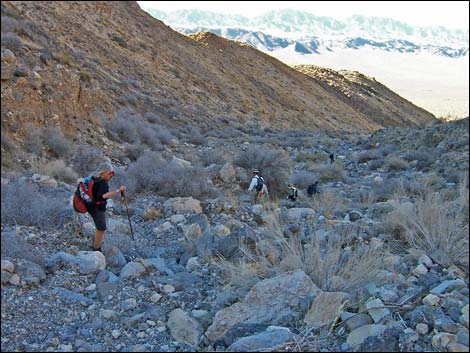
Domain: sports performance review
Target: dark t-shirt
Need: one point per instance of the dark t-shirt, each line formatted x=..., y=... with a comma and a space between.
x=100, y=187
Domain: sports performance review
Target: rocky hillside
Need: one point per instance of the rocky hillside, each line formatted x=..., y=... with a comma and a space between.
x=74, y=64
x=366, y=95
x=377, y=261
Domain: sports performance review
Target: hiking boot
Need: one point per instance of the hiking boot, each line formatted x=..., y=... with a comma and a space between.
x=91, y=248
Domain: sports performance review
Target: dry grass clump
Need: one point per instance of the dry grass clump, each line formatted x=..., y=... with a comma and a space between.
x=314, y=157
x=56, y=169
x=329, y=172
x=334, y=263
x=327, y=203
x=396, y=163
x=436, y=222
x=368, y=155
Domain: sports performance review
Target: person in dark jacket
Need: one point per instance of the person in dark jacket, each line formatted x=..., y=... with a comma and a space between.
x=313, y=189
x=332, y=158
x=100, y=194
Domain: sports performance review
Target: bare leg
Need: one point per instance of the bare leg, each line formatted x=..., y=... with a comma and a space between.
x=77, y=224
x=98, y=239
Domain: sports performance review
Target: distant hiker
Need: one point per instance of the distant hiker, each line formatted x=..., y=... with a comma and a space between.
x=332, y=158
x=293, y=192
x=258, y=186
x=100, y=193
x=313, y=189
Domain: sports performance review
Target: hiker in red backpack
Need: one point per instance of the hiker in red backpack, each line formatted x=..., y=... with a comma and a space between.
x=100, y=192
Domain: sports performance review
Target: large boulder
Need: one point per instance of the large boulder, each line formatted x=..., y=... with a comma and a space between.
x=184, y=328
x=227, y=173
x=90, y=262
x=273, y=301
x=293, y=215
x=266, y=341
x=132, y=270
x=359, y=335
x=182, y=205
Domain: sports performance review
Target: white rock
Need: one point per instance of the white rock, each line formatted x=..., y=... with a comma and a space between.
x=155, y=297
x=116, y=334
x=425, y=260
x=442, y=339
x=8, y=266
x=431, y=300
x=90, y=262
x=422, y=329
x=377, y=310
x=420, y=270
x=132, y=270
x=168, y=288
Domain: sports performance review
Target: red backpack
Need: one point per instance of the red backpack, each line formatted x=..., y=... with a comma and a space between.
x=83, y=197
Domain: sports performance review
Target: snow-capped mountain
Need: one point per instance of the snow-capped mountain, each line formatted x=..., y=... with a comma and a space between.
x=310, y=34
x=316, y=45
x=427, y=65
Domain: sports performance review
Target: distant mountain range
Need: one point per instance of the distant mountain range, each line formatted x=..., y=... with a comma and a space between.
x=310, y=34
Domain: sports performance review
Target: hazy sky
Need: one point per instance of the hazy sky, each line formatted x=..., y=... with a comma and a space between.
x=452, y=14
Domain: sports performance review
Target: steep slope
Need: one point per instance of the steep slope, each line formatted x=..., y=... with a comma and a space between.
x=79, y=62
x=367, y=96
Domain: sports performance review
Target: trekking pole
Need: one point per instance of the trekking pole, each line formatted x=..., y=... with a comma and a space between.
x=123, y=198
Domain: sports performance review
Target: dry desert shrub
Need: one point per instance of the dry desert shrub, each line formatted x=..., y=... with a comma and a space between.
x=436, y=222
x=302, y=179
x=86, y=159
x=152, y=172
x=274, y=165
x=24, y=203
x=56, y=169
x=314, y=157
x=329, y=172
x=368, y=155
x=327, y=203
x=396, y=163
x=58, y=144
x=336, y=263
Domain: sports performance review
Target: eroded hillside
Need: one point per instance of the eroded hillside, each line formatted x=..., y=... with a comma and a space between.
x=368, y=97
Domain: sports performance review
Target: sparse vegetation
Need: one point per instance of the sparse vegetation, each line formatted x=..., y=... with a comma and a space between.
x=303, y=179
x=11, y=41
x=436, y=223
x=56, y=141
x=208, y=157
x=396, y=163
x=368, y=155
x=23, y=203
x=152, y=172
x=32, y=139
x=329, y=172
x=333, y=263
x=274, y=165
x=58, y=170
x=65, y=59
x=314, y=157
x=86, y=159
x=172, y=126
